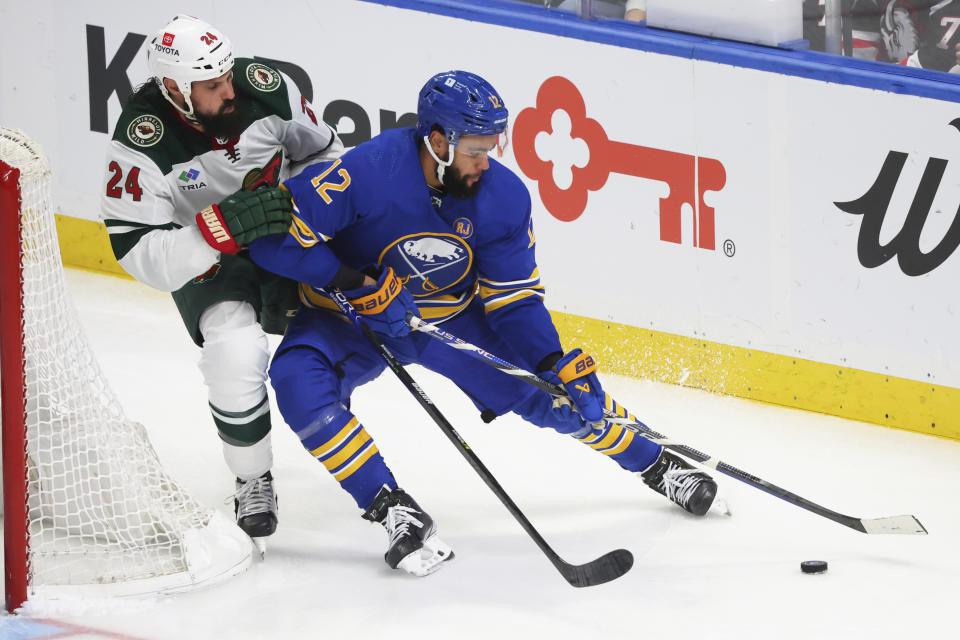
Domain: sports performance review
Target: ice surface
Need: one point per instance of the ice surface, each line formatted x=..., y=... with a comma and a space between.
x=716, y=577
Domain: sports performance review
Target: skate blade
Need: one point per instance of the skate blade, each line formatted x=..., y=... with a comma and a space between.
x=720, y=507
x=428, y=558
x=261, y=545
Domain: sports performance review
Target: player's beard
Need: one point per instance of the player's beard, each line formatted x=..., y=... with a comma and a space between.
x=225, y=125
x=456, y=185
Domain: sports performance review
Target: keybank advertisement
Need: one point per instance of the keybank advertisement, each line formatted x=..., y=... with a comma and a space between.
x=736, y=206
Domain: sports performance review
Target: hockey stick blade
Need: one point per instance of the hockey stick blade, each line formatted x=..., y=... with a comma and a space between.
x=604, y=569
x=903, y=525
x=894, y=524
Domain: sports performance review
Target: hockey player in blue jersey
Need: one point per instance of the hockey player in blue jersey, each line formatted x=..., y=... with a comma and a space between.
x=422, y=220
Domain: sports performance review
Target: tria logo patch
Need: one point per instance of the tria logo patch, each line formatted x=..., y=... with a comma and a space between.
x=189, y=175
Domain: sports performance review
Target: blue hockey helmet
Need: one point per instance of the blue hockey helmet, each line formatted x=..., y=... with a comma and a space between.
x=461, y=103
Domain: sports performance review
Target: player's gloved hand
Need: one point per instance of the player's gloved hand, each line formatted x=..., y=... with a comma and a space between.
x=244, y=216
x=576, y=372
x=384, y=306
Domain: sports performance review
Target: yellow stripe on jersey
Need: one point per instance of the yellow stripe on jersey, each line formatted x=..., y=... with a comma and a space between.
x=443, y=308
x=335, y=441
x=611, y=405
x=500, y=294
x=502, y=301
x=611, y=436
x=435, y=309
x=345, y=473
x=303, y=233
x=624, y=443
x=533, y=280
x=610, y=441
x=347, y=452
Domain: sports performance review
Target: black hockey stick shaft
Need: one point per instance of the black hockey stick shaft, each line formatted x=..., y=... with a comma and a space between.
x=604, y=569
x=906, y=524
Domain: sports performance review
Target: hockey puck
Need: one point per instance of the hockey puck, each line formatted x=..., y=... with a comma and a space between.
x=813, y=566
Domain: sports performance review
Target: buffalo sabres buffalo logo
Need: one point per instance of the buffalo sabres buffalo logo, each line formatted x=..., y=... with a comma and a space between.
x=428, y=263
x=145, y=131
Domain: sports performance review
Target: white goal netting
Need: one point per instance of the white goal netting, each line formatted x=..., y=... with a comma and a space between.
x=101, y=509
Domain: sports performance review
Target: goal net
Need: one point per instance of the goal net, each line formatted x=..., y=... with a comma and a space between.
x=88, y=507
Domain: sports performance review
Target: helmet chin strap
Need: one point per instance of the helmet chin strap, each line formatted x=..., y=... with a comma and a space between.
x=441, y=165
x=188, y=113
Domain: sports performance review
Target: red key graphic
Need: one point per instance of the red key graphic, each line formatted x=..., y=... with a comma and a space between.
x=688, y=176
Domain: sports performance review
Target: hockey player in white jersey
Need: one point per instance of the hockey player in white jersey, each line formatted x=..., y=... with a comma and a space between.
x=207, y=125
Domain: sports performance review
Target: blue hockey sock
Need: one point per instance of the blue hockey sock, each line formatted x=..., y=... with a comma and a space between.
x=338, y=440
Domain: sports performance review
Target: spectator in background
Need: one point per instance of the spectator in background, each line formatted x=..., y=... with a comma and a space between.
x=600, y=8
x=923, y=33
x=867, y=42
x=635, y=10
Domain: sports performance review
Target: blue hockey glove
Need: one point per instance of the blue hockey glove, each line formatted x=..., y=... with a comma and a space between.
x=576, y=372
x=384, y=305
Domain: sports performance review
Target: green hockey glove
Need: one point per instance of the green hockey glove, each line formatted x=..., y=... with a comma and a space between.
x=244, y=216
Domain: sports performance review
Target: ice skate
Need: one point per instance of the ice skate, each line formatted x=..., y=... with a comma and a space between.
x=255, y=505
x=414, y=545
x=681, y=482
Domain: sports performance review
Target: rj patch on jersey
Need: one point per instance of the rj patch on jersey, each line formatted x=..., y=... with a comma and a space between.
x=145, y=130
x=262, y=77
x=428, y=263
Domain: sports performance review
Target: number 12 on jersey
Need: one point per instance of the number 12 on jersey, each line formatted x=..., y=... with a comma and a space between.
x=323, y=187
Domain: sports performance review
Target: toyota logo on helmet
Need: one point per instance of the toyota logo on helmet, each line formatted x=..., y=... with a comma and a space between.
x=188, y=50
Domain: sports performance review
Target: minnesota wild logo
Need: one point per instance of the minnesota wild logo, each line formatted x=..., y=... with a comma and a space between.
x=263, y=77
x=145, y=131
x=268, y=175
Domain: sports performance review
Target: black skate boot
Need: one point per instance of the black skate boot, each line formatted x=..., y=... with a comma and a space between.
x=414, y=545
x=255, y=505
x=681, y=482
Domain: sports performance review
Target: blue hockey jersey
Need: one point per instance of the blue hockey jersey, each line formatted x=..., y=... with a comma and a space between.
x=373, y=206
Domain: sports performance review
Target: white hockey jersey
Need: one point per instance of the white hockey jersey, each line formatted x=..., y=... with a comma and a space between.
x=160, y=171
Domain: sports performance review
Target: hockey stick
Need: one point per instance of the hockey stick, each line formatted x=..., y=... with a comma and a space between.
x=906, y=524
x=604, y=569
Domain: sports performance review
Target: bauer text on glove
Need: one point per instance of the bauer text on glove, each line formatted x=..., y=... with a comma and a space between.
x=384, y=306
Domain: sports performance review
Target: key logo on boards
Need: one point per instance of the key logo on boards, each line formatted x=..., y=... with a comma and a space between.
x=688, y=176
x=428, y=263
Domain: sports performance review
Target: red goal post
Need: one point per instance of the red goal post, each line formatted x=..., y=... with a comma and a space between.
x=88, y=509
